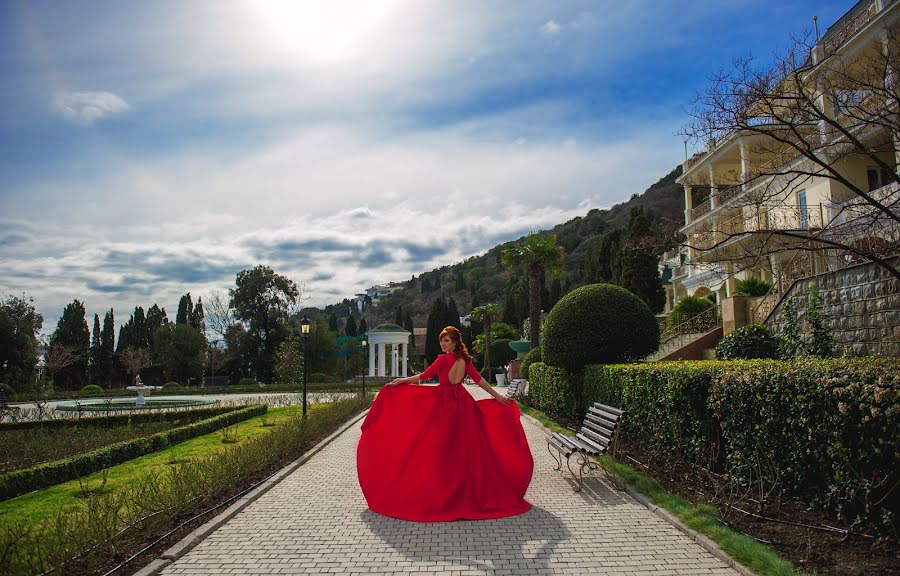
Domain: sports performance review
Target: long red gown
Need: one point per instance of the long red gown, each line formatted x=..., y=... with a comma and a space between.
x=435, y=454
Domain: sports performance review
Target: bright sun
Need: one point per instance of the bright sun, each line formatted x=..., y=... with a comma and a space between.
x=320, y=32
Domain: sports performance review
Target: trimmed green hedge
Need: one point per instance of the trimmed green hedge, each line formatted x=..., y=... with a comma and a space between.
x=823, y=431
x=49, y=473
x=555, y=391
x=113, y=420
x=533, y=356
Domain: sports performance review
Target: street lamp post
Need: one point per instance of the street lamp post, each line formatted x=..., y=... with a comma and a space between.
x=365, y=346
x=304, y=330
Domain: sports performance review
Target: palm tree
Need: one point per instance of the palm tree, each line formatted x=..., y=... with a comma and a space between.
x=487, y=314
x=539, y=254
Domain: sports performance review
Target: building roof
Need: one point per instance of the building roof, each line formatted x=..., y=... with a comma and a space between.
x=388, y=328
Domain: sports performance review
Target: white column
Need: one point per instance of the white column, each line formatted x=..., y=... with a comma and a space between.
x=405, y=352
x=371, y=350
x=394, y=367
x=745, y=165
x=382, y=350
x=713, y=191
x=688, y=204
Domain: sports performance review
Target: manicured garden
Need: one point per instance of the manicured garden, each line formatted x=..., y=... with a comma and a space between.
x=100, y=519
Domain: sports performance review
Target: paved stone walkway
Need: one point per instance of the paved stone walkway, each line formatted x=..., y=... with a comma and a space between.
x=316, y=521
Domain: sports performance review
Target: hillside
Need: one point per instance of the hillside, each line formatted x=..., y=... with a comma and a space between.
x=483, y=277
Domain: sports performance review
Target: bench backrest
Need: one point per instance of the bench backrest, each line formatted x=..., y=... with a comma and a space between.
x=599, y=427
x=3, y=399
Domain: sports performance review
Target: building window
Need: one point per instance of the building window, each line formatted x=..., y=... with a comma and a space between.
x=878, y=177
x=801, y=209
x=846, y=100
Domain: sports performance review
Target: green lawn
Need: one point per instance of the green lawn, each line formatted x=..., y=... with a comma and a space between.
x=702, y=518
x=39, y=505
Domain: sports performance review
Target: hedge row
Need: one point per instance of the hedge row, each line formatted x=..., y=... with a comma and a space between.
x=823, y=431
x=50, y=473
x=100, y=419
x=173, y=390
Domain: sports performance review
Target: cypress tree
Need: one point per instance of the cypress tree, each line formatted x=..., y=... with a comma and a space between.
x=398, y=316
x=333, y=322
x=107, y=346
x=452, y=314
x=72, y=332
x=95, y=361
x=198, y=317
x=185, y=309
x=363, y=327
x=350, y=328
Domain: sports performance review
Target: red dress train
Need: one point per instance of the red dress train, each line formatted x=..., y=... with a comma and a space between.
x=435, y=454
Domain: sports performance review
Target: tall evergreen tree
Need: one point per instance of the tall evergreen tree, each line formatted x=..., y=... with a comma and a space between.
x=94, y=364
x=452, y=314
x=437, y=319
x=555, y=292
x=398, y=316
x=333, y=322
x=198, y=317
x=72, y=333
x=19, y=327
x=156, y=317
x=350, y=328
x=460, y=280
x=363, y=327
x=107, y=346
x=639, y=262
x=185, y=309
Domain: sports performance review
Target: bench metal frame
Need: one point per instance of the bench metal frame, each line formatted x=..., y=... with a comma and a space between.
x=516, y=388
x=598, y=435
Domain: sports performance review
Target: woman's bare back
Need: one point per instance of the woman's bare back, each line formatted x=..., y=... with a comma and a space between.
x=457, y=371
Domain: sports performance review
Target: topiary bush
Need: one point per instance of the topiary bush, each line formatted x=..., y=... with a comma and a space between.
x=247, y=382
x=321, y=377
x=687, y=308
x=748, y=342
x=501, y=353
x=92, y=389
x=533, y=356
x=752, y=286
x=598, y=324
x=171, y=386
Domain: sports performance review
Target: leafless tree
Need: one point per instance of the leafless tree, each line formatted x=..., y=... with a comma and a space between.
x=808, y=116
x=60, y=356
x=134, y=359
x=218, y=313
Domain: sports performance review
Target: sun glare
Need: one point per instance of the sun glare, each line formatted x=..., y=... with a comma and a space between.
x=320, y=32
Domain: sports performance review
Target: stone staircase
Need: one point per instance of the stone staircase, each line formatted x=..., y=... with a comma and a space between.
x=675, y=344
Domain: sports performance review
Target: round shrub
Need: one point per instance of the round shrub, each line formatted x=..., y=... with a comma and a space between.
x=320, y=377
x=687, y=308
x=171, y=385
x=598, y=324
x=247, y=382
x=748, y=342
x=92, y=389
x=8, y=391
x=534, y=355
x=501, y=353
x=752, y=286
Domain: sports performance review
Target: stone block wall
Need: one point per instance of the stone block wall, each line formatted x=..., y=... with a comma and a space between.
x=862, y=303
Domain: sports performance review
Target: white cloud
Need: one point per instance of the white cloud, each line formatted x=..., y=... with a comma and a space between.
x=551, y=28
x=85, y=108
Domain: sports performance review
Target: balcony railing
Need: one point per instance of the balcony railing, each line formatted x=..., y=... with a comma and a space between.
x=849, y=24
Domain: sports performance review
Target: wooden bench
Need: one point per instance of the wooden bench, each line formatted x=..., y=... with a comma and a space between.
x=516, y=388
x=597, y=436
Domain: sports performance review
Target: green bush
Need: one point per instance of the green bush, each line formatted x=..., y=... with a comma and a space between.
x=321, y=377
x=8, y=391
x=501, y=353
x=171, y=386
x=248, y=382
x=102, y=420
x=533, y=356
x=595, y=324
x=26, y=480
x=92, y=389
x=752, y=286
x=687, y=308
x=822, y=431
x=555, y=391
x=748, y=342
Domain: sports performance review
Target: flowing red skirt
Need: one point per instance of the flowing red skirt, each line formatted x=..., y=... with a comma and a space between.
x=435, y=454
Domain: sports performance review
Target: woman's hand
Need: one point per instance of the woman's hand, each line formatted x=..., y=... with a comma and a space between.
x=396, y=381
x=503, y=400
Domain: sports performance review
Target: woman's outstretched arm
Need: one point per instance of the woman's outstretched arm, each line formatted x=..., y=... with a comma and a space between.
x=414, y=379
x=474, y=375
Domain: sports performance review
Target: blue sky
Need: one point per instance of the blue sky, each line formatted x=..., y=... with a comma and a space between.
x=148, y=149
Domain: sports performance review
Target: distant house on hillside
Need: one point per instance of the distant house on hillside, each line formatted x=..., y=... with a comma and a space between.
x=379, y=291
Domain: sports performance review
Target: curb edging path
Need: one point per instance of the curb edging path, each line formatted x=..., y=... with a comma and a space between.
x=185, y=545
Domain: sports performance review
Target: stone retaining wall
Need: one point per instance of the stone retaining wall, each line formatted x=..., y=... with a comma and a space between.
x=862, y=302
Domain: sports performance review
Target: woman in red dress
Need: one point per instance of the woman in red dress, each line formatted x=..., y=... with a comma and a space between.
x=435, y=454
